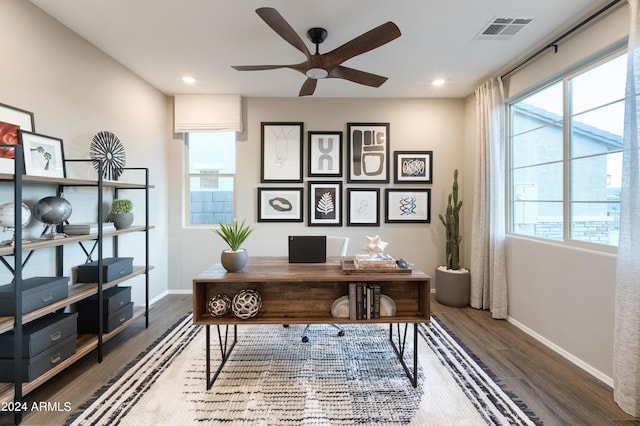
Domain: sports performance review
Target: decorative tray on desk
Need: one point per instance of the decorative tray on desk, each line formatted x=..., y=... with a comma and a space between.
x=349, y=267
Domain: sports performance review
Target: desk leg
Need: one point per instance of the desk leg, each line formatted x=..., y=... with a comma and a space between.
x=225, y=350
x=399, y=349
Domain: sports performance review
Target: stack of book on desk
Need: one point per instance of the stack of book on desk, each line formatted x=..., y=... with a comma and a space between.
x=364, y=301
x=87, y=228
x=377, y=261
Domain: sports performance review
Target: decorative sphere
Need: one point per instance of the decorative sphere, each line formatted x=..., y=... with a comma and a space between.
x=7, y=215
x=246, y=304
x=219, y=305
x=52, y=210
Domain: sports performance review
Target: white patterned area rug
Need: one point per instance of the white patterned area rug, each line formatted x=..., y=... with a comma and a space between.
x=272, y=378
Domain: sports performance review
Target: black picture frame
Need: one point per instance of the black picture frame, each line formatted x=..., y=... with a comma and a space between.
x=12, y=120
x=363, y=206
x=43, y=155
x=413, y=167
x=325, y=203
x=411, y=205
x=324, y=154
x=281, y=146
x=368, y=152
x=280, y=204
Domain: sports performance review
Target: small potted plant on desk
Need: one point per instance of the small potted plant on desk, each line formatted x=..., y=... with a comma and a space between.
x=234, y=258
x=120, y=214
x=453, y=283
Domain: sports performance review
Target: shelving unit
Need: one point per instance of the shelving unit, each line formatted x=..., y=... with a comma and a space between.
x=85, y=343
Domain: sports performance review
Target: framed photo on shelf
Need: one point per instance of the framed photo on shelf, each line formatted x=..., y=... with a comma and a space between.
x=43, y=155
x=325, y=204
x=413, y=166
x=408, y=205
x=363, y=206
x=368, y=152
x=12, y=120
x=325, y=154
x=280, y=205
x=281, y=152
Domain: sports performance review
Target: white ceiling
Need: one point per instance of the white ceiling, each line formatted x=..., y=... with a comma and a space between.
x=163, y=40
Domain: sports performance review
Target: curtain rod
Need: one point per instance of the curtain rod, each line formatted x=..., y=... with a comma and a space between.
x=555, y=42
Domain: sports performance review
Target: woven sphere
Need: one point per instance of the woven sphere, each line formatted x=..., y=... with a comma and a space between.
x=246, y=304
x=219, y=305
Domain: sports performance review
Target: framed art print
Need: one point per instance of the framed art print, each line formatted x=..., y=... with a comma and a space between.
x=12, y=120
x=368, y=152
x=325, y=204
x=408, y=205
x=43, y=155
x=363, y=206
x=413, y=166
x=281, y=152
x=280, y=205
x=325, y=154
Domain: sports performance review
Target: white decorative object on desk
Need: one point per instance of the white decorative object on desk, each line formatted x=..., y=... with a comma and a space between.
x=374, y=245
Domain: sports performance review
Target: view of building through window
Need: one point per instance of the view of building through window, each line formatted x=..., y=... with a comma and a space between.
x=211, y=170
x=566, y=159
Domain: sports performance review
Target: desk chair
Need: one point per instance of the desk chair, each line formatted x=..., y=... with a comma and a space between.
x=336, y=246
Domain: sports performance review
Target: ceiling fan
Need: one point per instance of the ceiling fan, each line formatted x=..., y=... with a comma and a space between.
x=326, y=65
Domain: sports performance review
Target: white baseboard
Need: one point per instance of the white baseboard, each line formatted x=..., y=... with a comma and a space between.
x=168, y=292
x=189, y=291
x=573, y=359
x=157, y=298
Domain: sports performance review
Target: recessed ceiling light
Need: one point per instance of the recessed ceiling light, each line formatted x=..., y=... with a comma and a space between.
x=189, y=80
x=438, y=82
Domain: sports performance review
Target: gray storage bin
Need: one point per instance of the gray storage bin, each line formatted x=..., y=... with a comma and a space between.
x=41, y=334
x=37, y=292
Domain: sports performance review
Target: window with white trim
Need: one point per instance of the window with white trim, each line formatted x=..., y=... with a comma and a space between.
x=566, y=156
x=211, y=167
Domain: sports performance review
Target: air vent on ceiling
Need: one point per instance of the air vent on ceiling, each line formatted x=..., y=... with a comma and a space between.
x=503, y=28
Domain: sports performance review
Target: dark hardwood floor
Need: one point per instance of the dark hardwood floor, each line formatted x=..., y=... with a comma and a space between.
x=558, y=392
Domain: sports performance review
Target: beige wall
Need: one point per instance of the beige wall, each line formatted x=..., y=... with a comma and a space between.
x=76, y=91
x=565, y=295
x=415, y=124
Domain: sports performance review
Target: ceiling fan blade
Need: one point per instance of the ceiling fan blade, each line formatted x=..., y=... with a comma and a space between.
x=370, y=40
x=308, y=87
x=357, y=76
x=257, y=67
x=273, y=18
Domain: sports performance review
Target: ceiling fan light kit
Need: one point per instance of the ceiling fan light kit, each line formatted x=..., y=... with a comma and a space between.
x=327, y=65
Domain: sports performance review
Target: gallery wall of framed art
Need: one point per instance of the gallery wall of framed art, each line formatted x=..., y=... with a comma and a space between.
x=362, y=193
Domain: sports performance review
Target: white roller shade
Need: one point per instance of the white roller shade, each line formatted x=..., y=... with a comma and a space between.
x=207, y=113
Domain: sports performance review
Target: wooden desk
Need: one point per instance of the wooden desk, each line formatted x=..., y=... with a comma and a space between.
x=303, y=294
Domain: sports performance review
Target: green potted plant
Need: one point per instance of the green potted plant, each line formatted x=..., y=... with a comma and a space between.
x=235, y=257
x=121, y=214
x=452, y=281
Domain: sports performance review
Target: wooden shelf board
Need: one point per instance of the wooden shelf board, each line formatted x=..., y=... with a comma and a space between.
x=84, y=345
x=38, y=244
x=75, y=182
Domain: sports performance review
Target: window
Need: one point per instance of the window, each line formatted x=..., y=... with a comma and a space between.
x=211, y=165
x=566, y=156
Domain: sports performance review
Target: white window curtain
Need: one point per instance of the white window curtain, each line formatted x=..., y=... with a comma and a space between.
x=207, y=113
x=626, y=338
x=488, y=265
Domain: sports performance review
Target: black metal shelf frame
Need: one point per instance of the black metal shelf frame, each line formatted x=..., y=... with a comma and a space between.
x=20, y=262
